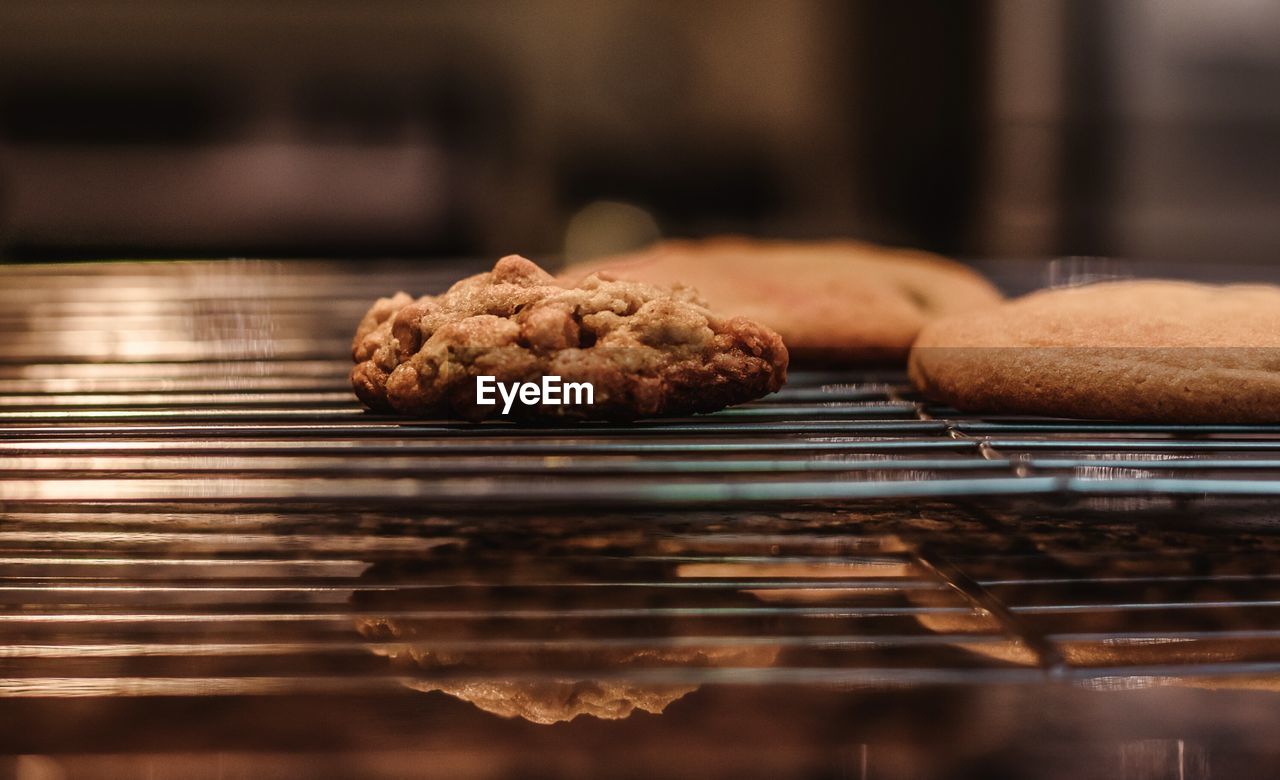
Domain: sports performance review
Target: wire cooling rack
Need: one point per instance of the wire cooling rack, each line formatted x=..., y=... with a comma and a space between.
x=198, y=518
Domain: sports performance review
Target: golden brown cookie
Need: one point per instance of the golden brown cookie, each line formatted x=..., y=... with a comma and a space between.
x=1159, y=351
x=833, y=302
x=645, y=350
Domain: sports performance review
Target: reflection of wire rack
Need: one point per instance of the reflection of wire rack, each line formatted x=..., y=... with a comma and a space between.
x=195, y=507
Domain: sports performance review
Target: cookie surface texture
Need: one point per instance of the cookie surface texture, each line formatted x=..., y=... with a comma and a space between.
x=646, y=350
x=1150, y=350
x=833, y=302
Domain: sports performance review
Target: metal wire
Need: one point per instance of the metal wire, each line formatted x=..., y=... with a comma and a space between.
x=194, y=506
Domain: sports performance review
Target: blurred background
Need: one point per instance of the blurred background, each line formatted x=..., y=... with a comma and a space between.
x=1002, y=128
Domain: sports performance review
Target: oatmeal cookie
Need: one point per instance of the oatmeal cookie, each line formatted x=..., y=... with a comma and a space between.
x=646, y=350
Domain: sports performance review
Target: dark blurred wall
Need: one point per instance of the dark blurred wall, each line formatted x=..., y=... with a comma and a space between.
x=921, y=71
x=1134, y=128
x=383, y=127
x=390, y=127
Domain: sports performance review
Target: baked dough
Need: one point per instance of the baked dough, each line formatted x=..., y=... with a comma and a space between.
x=646, y=350
x=569, y=667
x=1150, y=350
x=548, y=698
x=833, y=302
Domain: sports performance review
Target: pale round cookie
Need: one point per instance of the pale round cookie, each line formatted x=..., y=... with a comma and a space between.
x=1150, y=350
x=833, y=302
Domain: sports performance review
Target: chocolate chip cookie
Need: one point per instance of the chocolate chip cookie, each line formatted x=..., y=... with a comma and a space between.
x=646, y=350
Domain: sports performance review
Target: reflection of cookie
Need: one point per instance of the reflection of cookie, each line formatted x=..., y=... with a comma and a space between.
x=1006, y=650
x=562, y=659
x=645, y=350
x=1141, y=350
x=835, y=302
x=555, y=699
x=1123, y=655
x=1133, y=663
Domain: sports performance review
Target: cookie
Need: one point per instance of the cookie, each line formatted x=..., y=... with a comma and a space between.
x=558, y=698
x=1156, y=351
x=644, y=350
x=833, y=302
x=516, y=668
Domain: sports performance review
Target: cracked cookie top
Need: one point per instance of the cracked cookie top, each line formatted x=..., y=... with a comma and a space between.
x=646, y=350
